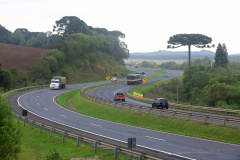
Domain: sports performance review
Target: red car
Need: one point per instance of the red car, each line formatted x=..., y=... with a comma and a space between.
x=119, y=96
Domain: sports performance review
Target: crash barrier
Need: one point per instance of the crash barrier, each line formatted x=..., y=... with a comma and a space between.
x=24, y=88
x=155, y=111
x=79, y=138
x=187, y=106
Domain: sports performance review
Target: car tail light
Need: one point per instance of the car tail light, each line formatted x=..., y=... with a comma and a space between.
x=159, y=103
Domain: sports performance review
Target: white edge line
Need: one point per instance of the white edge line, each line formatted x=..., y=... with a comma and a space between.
x=119, y=124
x=92, y=132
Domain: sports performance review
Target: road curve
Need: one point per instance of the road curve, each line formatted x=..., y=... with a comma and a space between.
x=42, y=106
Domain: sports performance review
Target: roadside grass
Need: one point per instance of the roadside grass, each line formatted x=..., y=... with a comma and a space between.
x=36, y=145
x=141, y=89
x=151, y=121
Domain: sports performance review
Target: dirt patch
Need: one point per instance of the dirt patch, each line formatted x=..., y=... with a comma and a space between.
x=18, y=56
x=70, y=105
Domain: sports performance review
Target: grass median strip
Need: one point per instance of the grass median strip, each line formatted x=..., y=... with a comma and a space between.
x=177, y=125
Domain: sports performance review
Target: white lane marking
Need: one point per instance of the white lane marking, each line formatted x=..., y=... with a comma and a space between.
x=119, y=90
x=37, y=103
x=63, y=116
x=95, y=125
x=155, y=138
x=45, y=108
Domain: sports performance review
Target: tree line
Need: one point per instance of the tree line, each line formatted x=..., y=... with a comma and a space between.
x=205, y=85
x=74, y=45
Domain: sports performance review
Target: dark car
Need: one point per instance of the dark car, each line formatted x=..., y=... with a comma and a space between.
x=160, y=103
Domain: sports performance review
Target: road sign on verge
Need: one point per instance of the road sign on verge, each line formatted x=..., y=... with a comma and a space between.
x=144, y=79
x=107, y=78
x=163, y=69
x=165, y=76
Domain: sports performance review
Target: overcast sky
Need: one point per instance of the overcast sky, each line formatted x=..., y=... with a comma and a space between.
x=147, y=24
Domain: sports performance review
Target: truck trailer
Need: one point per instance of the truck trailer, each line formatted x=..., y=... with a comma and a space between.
x=58, y=82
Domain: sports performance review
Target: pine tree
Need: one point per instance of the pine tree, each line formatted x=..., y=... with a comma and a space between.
x=221, y=56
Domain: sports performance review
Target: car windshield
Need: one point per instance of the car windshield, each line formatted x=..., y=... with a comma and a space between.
x=54, y=81
x=114, y=78
x=119, y=93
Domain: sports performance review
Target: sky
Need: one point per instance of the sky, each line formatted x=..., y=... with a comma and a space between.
x=147, y=24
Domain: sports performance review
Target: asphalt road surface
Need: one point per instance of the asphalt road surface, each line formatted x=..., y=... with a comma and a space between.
x=41, y=105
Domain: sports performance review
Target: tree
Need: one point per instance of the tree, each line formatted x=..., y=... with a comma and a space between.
x=9, y=133
x=4, y=33
x=69, y=25
x=221, y=56
x=197, y=40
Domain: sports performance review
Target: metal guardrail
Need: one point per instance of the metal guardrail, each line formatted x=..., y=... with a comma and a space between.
x=24, y=88
x=187, y=106
x=154, y=111
x=80, y=138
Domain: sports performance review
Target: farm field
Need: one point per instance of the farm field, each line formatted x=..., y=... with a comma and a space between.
x=18, y=56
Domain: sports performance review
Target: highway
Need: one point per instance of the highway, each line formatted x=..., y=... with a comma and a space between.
x=41, y=105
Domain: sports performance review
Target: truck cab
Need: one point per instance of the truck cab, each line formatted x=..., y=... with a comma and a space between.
x=55, y=84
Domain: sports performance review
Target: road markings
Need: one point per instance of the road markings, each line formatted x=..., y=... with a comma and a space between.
x=155, y=138
x=37, y=103
x=45, y=108
x=95, y=125
x=63, y=116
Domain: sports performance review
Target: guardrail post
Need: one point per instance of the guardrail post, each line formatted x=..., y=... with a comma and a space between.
x=32, y=124
x=115, y=152
x=149, y=109
x=63, y=136
x=95, y=146
x=51, y=130
x=205, y=119
x=173, y=114
x=24, y=120
x=160, y=112
x=141, y=156
x=104, y=101
x=189, y=115
x=109, y=103
x=224, y=121
x=78, y=140
x=121, y=105
x=41, y=128
x=139, y=108
x=115, y=104
x=130, y=106
x=18, y=119
x=99, y=100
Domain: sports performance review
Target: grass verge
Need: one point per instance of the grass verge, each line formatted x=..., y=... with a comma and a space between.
x=44, y=145
x=178, y=125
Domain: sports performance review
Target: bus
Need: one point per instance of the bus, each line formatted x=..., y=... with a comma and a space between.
x=134, y=79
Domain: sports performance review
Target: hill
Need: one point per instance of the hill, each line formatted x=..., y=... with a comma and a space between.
x=178, y=55
x=18, y=56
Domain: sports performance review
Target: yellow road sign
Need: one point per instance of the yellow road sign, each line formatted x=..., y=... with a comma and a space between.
x=155, y=66
x=144, y=80
x=107, y=78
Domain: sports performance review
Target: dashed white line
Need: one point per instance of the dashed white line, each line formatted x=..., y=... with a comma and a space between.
x=63, y=116
x=37, y=103
x=155, y=138
x=45, y=108
x=95, y=125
